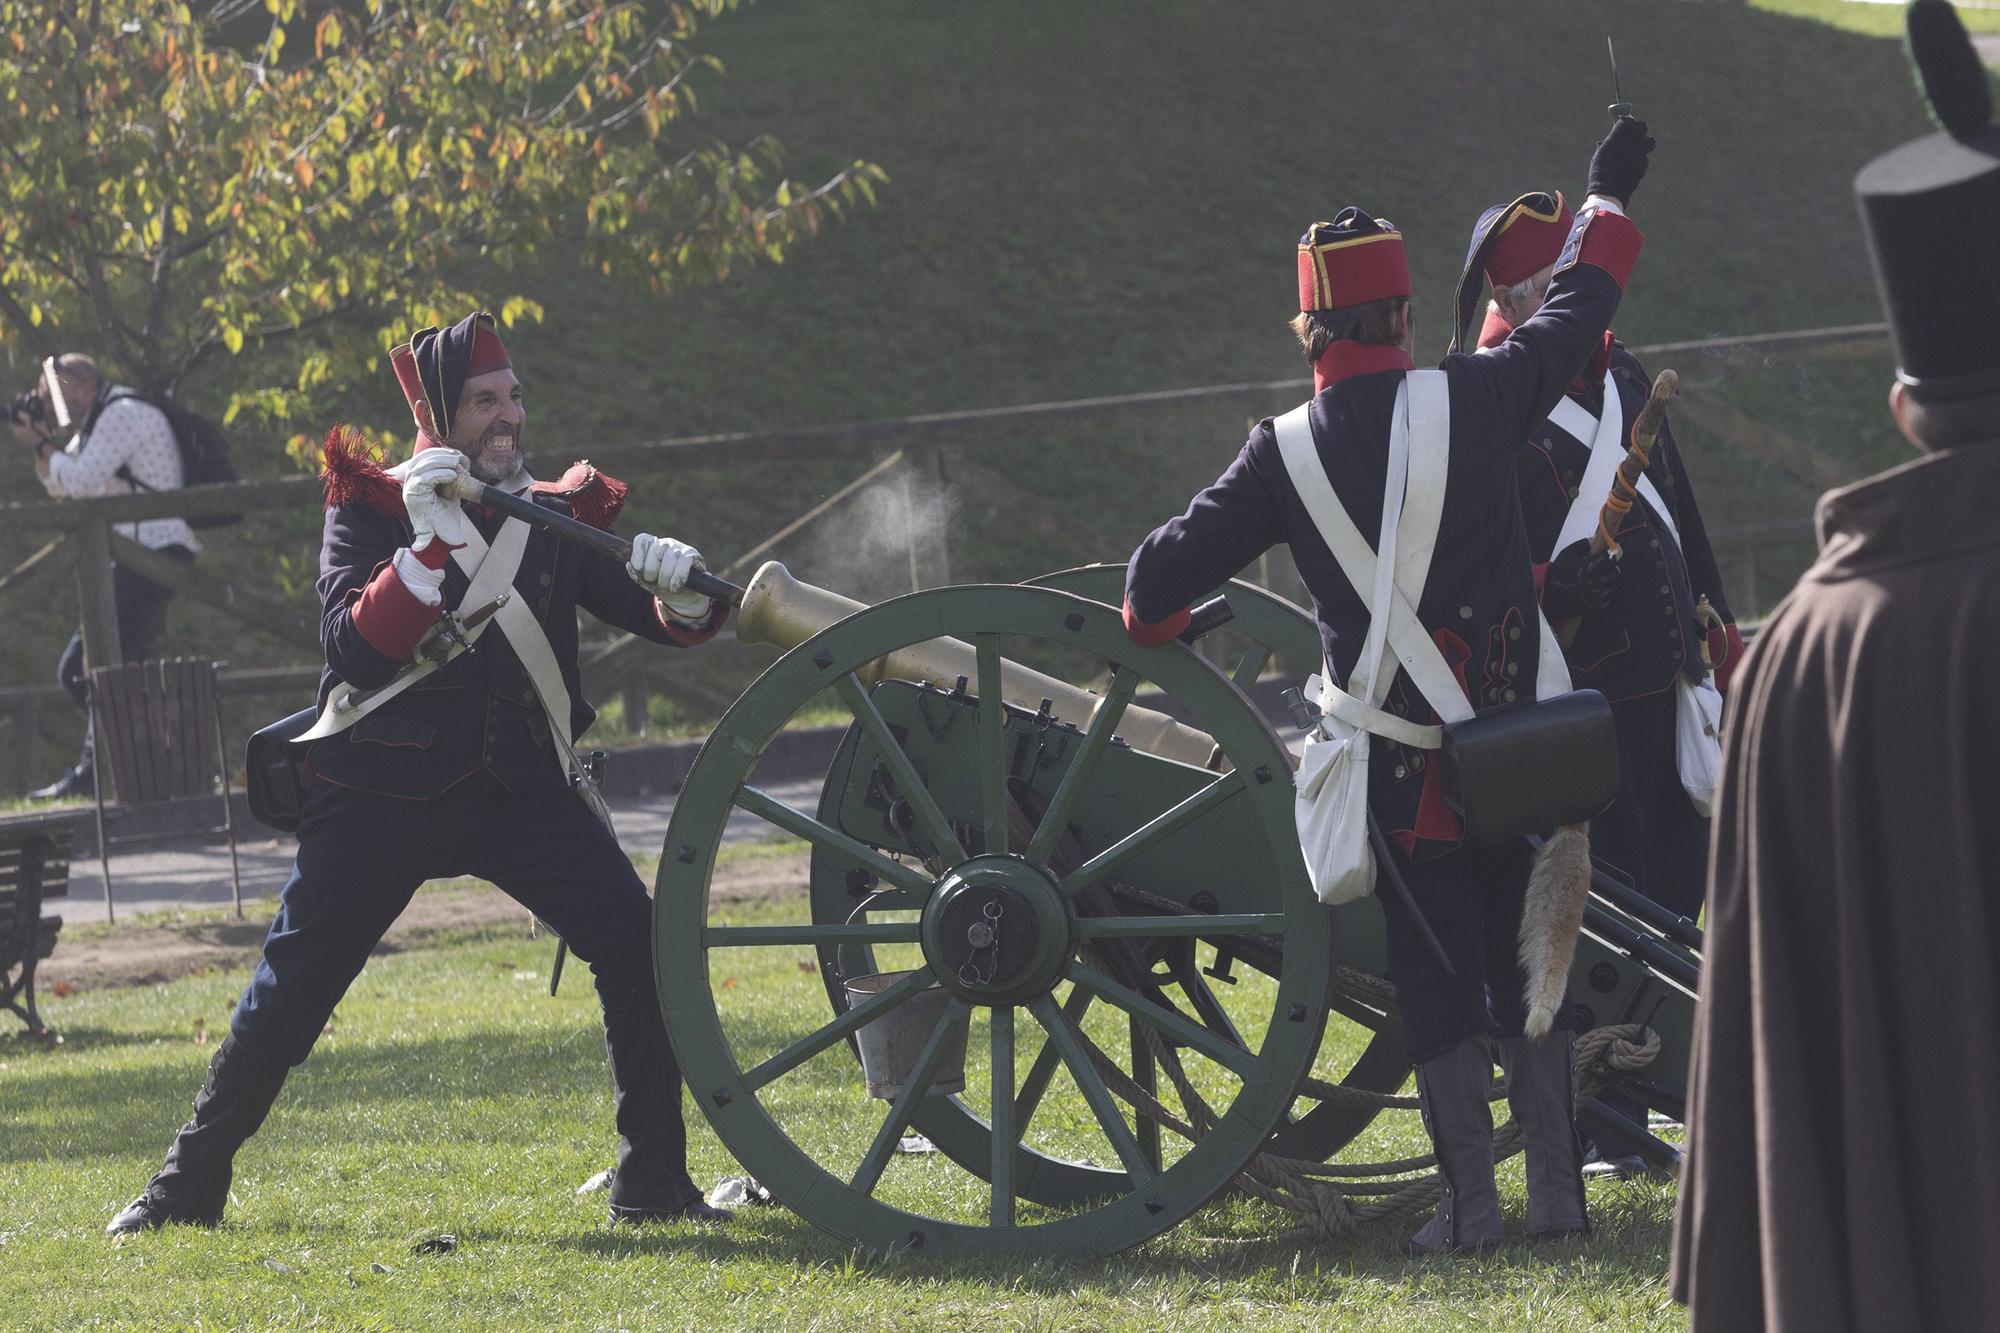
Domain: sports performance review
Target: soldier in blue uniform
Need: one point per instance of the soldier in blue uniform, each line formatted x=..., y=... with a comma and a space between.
x=459, y=775
x=1639, y=632
x=1479, y=605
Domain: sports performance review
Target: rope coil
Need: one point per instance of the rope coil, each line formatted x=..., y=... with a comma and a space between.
x=1321, y=1194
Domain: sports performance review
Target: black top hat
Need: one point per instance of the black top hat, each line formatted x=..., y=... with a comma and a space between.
x=1931, y=213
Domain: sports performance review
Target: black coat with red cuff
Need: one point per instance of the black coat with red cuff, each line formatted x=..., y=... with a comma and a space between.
x=1649, y=634
x=1480, y=599
x=480, y=712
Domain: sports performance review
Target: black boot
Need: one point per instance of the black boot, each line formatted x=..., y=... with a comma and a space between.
x=79, y=781
x=651, y=1181
x=193, y=1185
x=1452, y=1091
x=1541, y=1089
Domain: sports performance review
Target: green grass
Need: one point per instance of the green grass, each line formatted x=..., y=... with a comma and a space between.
x=1881, y=20
x=452, y=1096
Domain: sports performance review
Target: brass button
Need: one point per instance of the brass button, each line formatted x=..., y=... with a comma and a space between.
x=1508, y=696
x=1573, y=492
x=1514, y=633
x=547, y=579
x=1465, y=613
x=1666, y=590
x=1513, y=668
x=1401, y=772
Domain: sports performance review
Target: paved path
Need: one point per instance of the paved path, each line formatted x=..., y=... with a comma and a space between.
x=155, y=877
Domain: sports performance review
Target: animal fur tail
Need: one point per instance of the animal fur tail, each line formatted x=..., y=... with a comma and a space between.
x=1551, y=916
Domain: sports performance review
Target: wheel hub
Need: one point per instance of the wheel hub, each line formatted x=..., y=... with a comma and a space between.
x=997, y=930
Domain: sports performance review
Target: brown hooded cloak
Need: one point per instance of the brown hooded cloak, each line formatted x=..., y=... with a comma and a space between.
x=1844, y=1106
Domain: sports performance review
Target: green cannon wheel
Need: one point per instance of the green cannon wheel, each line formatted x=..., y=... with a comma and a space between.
x=1364, y=1049
x=1364, y=1046
x=981, y=835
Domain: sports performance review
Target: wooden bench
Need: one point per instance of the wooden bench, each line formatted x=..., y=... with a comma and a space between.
x=34, y=867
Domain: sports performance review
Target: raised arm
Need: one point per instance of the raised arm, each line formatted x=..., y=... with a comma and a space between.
x=1517, y=383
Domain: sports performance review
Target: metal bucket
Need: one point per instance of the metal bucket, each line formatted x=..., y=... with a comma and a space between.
x=891, y=1043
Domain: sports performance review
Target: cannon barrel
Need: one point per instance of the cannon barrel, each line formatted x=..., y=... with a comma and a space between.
x=780, y=611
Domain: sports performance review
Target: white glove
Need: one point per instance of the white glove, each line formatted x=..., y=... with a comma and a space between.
x=425, y=584
x=661, y=566
x=431, y=514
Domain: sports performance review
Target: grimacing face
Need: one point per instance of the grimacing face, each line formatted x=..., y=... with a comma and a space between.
x=487, y=426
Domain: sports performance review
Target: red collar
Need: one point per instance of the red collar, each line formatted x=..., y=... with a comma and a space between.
x=1345, y=359
x=1496, y=328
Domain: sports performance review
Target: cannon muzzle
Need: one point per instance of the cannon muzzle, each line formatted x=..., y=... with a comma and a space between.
x=780, y=611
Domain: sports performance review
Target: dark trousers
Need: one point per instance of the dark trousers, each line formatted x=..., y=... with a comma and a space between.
x=1652, y=833
x=362, y=857
x=1472, y=900
x=142, y=609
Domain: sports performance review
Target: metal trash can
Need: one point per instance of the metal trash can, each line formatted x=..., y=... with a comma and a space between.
x=891, y=1043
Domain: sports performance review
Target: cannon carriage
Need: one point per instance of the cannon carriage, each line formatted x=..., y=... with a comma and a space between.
x=1056, y=922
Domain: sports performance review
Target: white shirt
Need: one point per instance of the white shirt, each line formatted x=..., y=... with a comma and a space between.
x=136, y=436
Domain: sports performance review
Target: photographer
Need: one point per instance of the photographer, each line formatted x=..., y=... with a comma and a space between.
x=122, y=444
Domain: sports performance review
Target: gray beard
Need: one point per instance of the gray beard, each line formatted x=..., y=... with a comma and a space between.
x=501, y=474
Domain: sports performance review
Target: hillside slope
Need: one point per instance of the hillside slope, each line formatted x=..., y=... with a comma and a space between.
x=1104, y=198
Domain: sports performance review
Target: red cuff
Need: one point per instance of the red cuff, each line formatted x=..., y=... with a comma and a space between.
x=388, y=615
x=689, y=635
x=1606, y=241
x=1146, y=635
x=436, y=553
x=1730, y=656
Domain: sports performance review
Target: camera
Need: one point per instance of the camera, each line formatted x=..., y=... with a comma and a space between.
x=28, y=409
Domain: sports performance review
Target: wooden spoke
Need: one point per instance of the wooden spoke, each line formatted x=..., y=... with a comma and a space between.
x=1077, y=776
x=802, y=825
x=1001, y=1212
x=1102, y=1105
x=1174, y=1024
x=806, y=1048
x=870, y=1171
x=1146, y=1076
x=1251, y=667
x=1044, y=1067
x=1157, y=829
x=992, y=745
x=908, y=785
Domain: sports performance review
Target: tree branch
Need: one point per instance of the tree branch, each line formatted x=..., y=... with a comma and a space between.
x=16, y=315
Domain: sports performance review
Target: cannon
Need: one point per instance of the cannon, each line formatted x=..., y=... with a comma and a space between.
x=1055, y=904
x=1032, y=910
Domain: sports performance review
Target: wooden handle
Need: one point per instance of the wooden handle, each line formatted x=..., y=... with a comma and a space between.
x=1625, y=481
x=618, y=548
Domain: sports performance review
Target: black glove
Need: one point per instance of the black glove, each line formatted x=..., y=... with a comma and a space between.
x=1579, y=583
x=1619, y=163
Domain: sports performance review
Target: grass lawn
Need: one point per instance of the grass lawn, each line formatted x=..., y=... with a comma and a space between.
x=451, y=1095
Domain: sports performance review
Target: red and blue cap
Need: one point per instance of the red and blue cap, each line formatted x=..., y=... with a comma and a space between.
x=1350, y=261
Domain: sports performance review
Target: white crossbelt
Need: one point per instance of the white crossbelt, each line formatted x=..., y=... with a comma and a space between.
x=493, y=579
x=530, y=643
x=1605, y=437
x=1420, y=430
